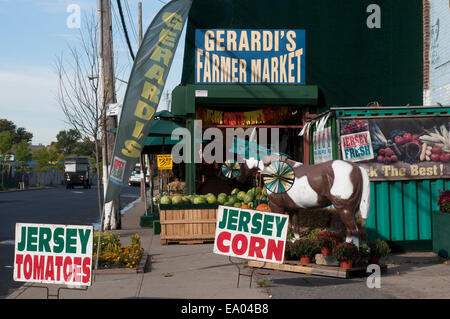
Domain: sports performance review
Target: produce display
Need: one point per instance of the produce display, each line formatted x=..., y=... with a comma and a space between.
x=238, y=198
x=410, y=142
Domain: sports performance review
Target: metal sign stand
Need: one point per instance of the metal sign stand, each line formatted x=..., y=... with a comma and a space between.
x=57, y=295
x=245, y=275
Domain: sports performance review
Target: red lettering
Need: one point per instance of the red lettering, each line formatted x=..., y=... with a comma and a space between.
x=19, y=261
x=257, y=244
x=220, y=239
x=77, y=269
x=67, y=269
x=50, y=269
x=86, y=269
x=275, y=249
x=27, y=267
x=58, y=263
x=239, y=238
x=38, y=267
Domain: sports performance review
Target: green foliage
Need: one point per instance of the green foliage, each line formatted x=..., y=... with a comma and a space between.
x=17, y=134
x=345, y=252
x=22, y=156
x=364, y=250
x=109, y=242
x=379, y=248
x=67, y=141
x=41, y=158
x=135, y=239
x=5, y=145
x=305, y=248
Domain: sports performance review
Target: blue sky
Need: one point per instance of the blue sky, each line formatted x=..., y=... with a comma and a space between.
x=33, y=33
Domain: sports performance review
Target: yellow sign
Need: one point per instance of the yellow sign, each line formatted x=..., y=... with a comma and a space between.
x=164, y=161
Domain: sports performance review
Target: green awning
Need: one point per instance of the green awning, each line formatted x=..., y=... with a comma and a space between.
x=158, y=140
x=162, y=127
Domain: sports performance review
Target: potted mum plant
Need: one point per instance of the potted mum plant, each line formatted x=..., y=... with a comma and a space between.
x=289, y=252
x=346, y=254
x=441, y=225
x=306, y=249
x=378, y=249
x=364, y=253
x=327, y=240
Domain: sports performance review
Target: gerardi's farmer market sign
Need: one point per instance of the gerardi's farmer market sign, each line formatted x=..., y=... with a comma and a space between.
x=53, y=254
x=250, y=234
x=250, y=56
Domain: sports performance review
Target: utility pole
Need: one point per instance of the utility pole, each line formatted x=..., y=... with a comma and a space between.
x=142, y=158
x=108, y=96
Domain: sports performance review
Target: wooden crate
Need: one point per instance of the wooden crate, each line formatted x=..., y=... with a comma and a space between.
x=188, y=225
x=314, y=269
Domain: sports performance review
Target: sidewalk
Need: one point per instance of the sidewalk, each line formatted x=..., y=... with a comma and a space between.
x=176, y=271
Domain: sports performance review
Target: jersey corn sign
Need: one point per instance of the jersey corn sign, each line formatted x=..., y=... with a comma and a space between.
x=250, y=234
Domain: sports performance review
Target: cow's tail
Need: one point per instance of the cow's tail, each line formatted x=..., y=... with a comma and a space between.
x=364, y=205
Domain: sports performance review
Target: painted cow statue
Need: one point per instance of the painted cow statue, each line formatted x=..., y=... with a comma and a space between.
x=339, y=183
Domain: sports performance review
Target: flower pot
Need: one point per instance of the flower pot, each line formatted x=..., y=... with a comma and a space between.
x=305, y=260
x=346, y=264
x=326, y=251
x=374, y=260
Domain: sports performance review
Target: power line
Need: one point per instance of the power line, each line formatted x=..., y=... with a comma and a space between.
x=119, y=31
x=130, y=19
x=119, y=5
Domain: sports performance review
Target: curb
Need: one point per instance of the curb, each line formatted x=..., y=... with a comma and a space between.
x=28, y=189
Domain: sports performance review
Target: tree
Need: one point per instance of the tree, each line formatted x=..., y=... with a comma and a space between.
x=41, y=158
x=5, y=151
x=67, y=141
x=17, y=134
x=78, y=95
x=86, y=147
x=23, y=157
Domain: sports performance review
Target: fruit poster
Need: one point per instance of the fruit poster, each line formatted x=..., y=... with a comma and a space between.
x=416, y=147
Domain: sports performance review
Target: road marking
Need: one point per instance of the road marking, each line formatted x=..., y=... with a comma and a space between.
x=77, y=192
x=7, y=242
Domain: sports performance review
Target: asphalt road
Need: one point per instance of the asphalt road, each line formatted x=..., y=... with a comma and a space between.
x=48, y=206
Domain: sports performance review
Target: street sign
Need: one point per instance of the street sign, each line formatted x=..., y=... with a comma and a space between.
x=164, y=161
x=250, y=234
x=53, y=254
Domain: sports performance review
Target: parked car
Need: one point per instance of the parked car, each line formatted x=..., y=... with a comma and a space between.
x=135, y=177
x=77, y=172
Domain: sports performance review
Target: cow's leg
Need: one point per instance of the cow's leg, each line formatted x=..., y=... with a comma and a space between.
x=274, y=208
x=352, y=231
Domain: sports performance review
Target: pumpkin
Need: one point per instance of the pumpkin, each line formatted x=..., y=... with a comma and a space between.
x=244, y=206
x=263, y=207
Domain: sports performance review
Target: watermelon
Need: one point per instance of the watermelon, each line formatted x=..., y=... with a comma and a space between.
x=248, y=198
x=241, y=195
x=235, y=191
x=176, y=200
x=166, y=200
x=211, y=199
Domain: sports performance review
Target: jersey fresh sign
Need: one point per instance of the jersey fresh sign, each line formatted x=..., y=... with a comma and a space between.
x=53, y=254
x=357, y=147
x=250, y=234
